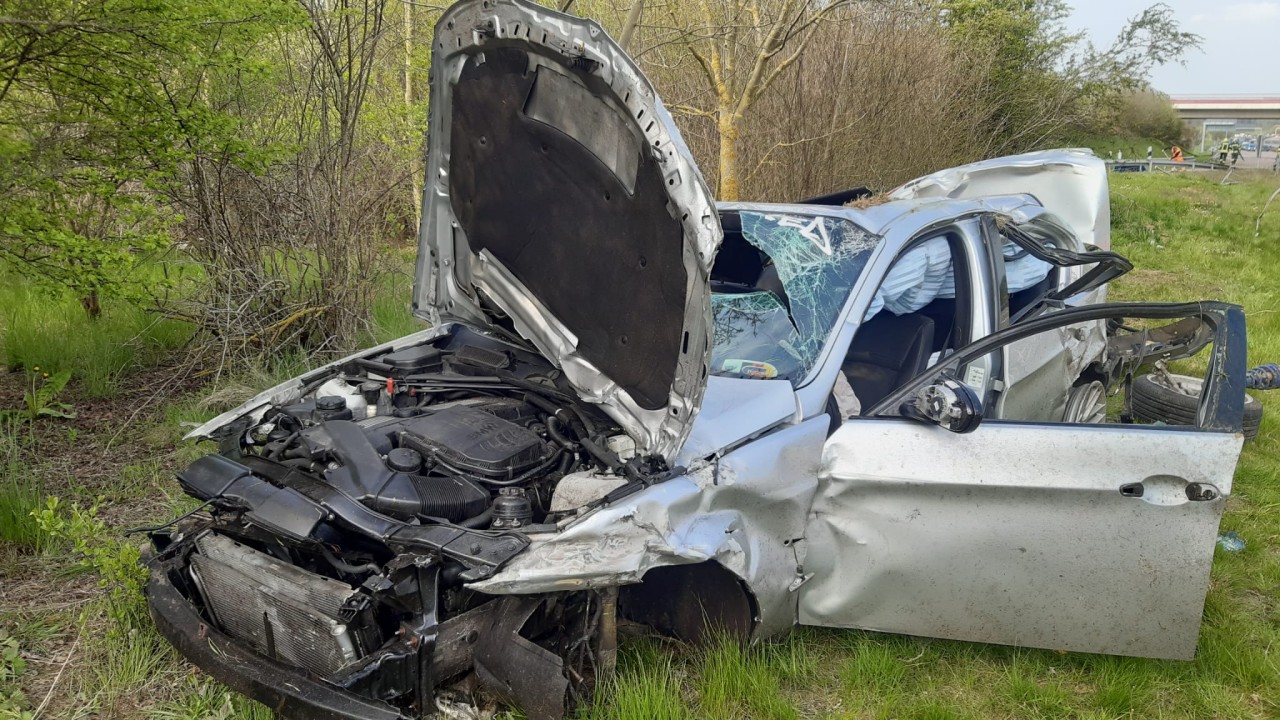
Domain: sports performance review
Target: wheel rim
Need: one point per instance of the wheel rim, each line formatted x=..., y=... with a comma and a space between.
x=1087, y=404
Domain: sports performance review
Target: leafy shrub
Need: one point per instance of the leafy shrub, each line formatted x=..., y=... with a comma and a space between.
x=41, y=397
x=12, y=701
x=116, y=562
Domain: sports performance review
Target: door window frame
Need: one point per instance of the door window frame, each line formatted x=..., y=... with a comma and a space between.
x=1195, y=325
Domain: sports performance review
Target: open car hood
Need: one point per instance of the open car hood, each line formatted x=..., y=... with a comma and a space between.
x=562, y=202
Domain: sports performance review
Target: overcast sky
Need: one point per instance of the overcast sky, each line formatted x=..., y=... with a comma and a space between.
x=1240, y=52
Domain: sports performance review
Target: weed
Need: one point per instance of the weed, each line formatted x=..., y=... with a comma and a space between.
x=645, y=687
x=18, y=526
x=40, y=399
x=20, y=496
x=734, y=681
x=116, y=561
x=12, y=701
x=204, y=700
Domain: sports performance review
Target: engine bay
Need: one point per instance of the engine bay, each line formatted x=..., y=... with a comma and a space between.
x=345, y=520
x=466, y=431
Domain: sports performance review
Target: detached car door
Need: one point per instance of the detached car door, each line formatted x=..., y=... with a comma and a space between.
x=1092, y=538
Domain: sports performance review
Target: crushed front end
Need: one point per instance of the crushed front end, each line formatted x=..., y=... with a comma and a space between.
x=326, y=575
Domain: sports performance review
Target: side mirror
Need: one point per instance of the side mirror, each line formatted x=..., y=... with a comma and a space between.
x=949, y=404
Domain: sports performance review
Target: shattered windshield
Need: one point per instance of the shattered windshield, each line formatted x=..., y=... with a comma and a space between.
x=818, y=259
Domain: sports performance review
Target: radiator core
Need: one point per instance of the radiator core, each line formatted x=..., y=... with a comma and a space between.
x=281, y=610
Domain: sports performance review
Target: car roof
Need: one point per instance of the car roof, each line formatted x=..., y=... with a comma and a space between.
x=884, y=218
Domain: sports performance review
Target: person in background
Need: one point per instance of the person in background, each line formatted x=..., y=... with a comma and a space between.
x=1235, y=151
x=1224, y=149
x=1176, y=153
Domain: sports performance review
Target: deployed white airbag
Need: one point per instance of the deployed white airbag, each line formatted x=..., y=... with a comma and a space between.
x=924, y=274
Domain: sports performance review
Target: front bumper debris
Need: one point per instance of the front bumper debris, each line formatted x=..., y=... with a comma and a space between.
x=290, y=692
x=540, y=653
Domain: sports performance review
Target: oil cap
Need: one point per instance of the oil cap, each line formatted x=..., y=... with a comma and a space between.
x=405, y=460
x=331, y=403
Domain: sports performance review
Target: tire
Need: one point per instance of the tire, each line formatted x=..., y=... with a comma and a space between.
x=1155, y=401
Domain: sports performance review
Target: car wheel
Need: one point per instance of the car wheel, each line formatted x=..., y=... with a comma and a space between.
x=1086, y=404
x=1175, y=400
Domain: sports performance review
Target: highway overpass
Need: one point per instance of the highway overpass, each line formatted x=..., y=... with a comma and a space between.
x=1216, y=116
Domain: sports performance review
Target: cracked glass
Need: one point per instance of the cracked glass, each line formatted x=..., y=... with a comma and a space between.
x=818, y=259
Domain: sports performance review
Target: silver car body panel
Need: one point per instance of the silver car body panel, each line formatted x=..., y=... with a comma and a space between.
x=1018, y=534
x=451, y=278
x=735, y=410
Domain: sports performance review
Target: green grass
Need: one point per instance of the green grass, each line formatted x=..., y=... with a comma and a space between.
x=53, y=332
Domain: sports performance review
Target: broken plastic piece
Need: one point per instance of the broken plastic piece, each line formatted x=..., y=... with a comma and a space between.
x=1231, y=542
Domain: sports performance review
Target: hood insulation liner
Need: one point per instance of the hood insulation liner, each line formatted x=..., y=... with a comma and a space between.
x=560, y=187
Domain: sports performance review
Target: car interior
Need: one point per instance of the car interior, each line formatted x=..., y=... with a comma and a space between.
x=914, y=320
x=741, y=267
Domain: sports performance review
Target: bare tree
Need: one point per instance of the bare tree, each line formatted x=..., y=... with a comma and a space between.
x=293, y=250
x=741, y=48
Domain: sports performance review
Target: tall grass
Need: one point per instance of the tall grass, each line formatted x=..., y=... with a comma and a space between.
x=38, y=329
x=20, y=495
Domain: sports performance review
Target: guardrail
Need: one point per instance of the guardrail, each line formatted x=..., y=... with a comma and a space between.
x=1145, y=165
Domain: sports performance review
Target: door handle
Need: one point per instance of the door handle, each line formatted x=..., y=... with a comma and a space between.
x=1170, y=490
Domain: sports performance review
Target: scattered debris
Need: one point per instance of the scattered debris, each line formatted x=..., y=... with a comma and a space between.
x=1231, y=542
x=1263, y=377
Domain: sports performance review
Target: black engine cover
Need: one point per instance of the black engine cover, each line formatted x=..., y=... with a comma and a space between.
x=474, y=440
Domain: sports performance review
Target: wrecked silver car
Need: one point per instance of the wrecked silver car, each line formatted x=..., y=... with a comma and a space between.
x=907, y=415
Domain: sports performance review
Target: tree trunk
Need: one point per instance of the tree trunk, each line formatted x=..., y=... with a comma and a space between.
x=92, y=306
x=408, y=108
x=728, y=125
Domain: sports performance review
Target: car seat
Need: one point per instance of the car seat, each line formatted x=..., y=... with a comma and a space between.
x=887, y=351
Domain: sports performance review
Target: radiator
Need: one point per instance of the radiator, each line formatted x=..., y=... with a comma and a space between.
x=281, y=610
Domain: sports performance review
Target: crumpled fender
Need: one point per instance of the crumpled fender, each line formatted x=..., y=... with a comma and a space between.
x=745, y=510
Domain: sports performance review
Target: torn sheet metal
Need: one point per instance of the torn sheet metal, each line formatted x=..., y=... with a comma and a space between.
x=1071, y=184
x=1040, y=370
x=744, y=511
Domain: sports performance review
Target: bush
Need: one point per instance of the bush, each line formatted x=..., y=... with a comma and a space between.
x=1149, y=114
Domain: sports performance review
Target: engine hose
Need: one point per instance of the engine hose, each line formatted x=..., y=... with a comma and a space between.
x=301, y=463
x=347, y=567
x=1263, y=377
x=553, y=429
x=566, y=462
x=477, y=522
x=548, y=407
x=589, y=426
x=609, y=459
x=563, y=414
x=522, y=477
